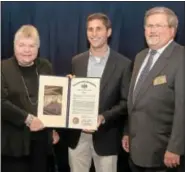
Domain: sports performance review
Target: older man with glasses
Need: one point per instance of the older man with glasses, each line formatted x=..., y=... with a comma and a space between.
x=155, y=134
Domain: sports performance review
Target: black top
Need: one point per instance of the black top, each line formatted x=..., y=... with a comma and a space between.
x=30, y=81
x=15, y=104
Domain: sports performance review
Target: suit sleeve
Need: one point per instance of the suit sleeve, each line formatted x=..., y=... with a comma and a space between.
x=10, y=112
x=126, y=123
x=73, y=66
x=176, y=143
x=121, y=107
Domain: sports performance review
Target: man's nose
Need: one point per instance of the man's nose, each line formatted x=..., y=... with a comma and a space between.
x=94, y=32
x=154, y=29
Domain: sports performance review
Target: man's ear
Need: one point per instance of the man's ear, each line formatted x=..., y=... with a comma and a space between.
x=109, y=32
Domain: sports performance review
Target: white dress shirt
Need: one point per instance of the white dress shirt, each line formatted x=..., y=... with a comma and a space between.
x=155, y=58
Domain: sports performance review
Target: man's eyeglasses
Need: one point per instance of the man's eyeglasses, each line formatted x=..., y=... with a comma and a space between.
x=156, y=26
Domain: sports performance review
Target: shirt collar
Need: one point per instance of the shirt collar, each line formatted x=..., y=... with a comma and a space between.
x=104, y=58
x=160, y=50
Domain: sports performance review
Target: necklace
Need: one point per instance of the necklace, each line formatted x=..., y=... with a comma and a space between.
x=26, y=88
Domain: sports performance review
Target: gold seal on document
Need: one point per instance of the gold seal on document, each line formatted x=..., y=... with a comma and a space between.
x=75, y=120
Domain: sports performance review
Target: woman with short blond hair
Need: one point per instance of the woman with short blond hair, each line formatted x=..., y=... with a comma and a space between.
x=26, y=144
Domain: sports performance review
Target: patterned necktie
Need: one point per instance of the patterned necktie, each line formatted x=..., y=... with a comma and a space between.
x=144, y=74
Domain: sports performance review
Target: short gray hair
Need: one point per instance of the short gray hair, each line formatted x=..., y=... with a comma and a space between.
x=27, y=31
x=172, y=17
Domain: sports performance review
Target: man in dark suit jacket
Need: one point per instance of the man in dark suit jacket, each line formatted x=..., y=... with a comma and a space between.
x=156, y=103
x=115, y=71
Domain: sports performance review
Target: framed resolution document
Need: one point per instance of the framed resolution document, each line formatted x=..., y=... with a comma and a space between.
x=68, y=103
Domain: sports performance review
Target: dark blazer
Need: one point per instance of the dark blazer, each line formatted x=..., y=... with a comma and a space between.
x=113, y=100
x=15, y=107
x=157, y=117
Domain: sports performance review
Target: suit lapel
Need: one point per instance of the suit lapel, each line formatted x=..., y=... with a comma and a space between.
x=136, y=69
x=157, y=68
x=108, y=70
x=82, y=70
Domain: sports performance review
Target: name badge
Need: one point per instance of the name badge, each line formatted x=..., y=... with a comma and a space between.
x=160, y=80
